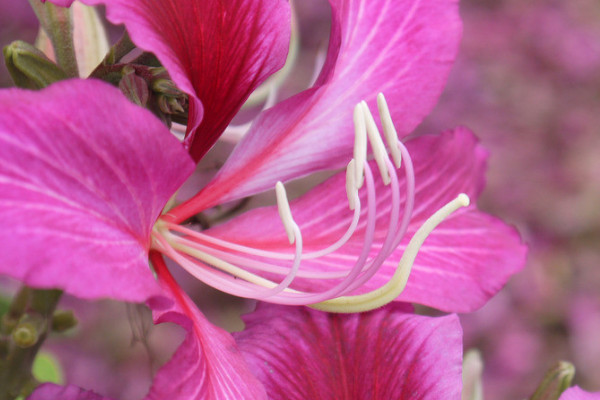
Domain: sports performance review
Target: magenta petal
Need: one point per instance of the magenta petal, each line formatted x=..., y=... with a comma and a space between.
x=299, y=353
x=464, y=262
x=208, y=364
x=50, y=391
x=576, y=393
x=84, y=175
x=217, y=51
x=403, y=48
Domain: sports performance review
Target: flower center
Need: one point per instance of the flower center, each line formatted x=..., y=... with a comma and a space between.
x=227, y=266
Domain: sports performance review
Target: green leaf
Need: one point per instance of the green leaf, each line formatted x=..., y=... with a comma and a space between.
x=46, y=368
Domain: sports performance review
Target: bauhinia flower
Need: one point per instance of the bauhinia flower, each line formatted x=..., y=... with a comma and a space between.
x=85, y=180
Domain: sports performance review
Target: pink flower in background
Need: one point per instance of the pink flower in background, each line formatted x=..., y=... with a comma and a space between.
x=576, y=393
x=528, y=88
x=84, y=181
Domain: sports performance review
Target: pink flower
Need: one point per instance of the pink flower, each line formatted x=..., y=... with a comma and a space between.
x=576, y=393
x=84, y=180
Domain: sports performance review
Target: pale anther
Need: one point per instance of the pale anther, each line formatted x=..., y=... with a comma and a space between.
x=379, y=152
x=285, y=213
x=360, y=144
x=351, y=188
x=391, y=136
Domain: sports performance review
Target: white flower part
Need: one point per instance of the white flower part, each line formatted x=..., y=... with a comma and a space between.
x=285, y=213
x=351, y=189
x=389, y=131
x=379, y=152
x=360, y=144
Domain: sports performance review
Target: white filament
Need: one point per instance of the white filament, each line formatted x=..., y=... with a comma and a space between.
x=391, y=136
x=377, y=146
x=351, y=189
x=285, y=213
x=360, y=144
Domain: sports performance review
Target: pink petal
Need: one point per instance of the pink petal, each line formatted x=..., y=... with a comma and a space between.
x=216, y=51
x=207, y=365
x=50, y=391
x=84, y=175
x=464, y=262
x=576, y=393
x=299, y=353
x=403, y=48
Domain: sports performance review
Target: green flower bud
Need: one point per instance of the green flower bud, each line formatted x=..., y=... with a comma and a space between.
x=557, y=380
x=29, y=67
x=166, y=87
x=25, y=334
x=63, y=320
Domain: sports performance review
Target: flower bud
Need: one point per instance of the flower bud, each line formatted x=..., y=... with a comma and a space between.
x=472, y=370
x=557, y=380
x=63, y=320
x=29, y=67
x=134, y=87
x=166, y=87
x=25, y=334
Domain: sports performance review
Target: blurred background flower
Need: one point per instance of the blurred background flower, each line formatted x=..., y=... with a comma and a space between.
x=527, y=81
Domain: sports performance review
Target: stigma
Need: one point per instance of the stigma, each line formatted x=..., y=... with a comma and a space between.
x=242, y=271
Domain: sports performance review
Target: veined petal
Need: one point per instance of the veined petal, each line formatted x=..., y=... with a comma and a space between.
x=403, y=48
x=207, y=365
x=466, y=259
x=84, y=175
x=217, y=51
x=50, y=391
x=300, y=353
x=576, y=393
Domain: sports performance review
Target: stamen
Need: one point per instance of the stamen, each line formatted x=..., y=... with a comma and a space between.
x=284, y=211
x=379, y=152
x=360, y=144
x=395, y=286
x=391, y=136
x=351, y=189
x=254, y=272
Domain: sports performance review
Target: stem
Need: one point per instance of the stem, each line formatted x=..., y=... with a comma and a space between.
x=15, y=367
x=58, y=24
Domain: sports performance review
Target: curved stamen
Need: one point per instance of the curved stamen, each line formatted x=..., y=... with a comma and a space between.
x=379, y=152
x=239, y=269
x=387, y=246
x=360, y=144
x=395, y=286
x=285, y=213
x=298, y=298
x=389, y=131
